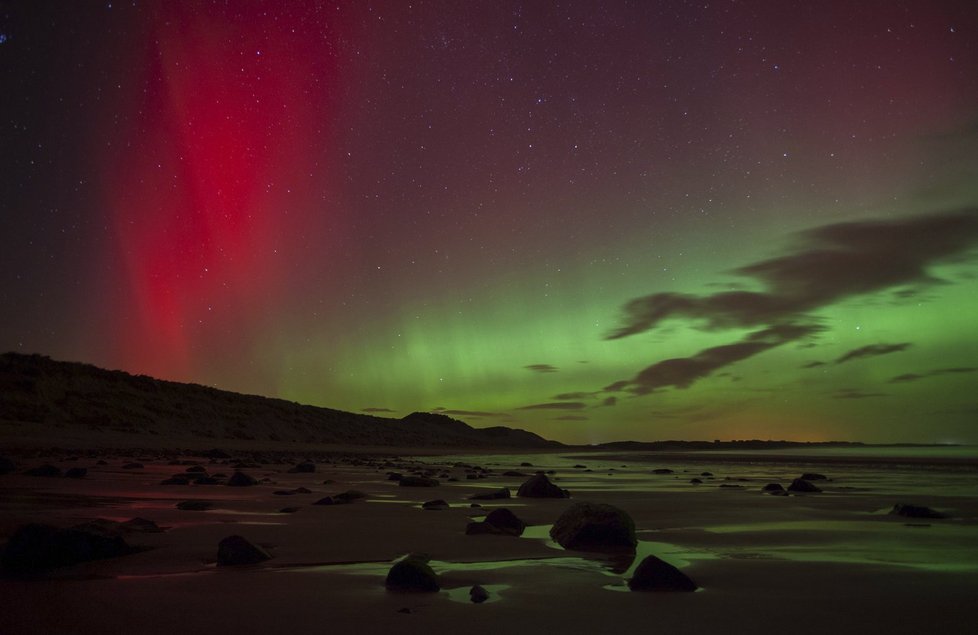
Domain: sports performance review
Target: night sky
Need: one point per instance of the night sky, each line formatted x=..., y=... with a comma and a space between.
x=593, y=220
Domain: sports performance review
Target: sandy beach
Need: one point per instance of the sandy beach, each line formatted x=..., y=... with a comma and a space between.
x=834, y=561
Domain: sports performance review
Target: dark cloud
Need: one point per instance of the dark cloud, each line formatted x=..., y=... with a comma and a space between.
x=872, y=350
x=573, y=396
x=542, y=368
x=855, y=393
x=377, y=410
x=571, y=418
x=682, y=372
x=560, y=405
x=932, y=373
x=830, y=264
x=815, y=364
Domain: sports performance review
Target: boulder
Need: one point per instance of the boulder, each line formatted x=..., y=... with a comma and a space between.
x=196, y=469
x=662, y=470
x=303, y=468
x=178, y=479
x=133, y=466
x=76, y=472
x=773, y=488
x=916, y=511
x=418, y=481
x=594, y=527
x=513, y=473
x=435, y=505
x=43, y=470
x=496, y=494
x=802, y=486
x=207, y=480
x=288, y=510
x=412, y=573
x=696, y=481
x=653, y=574
x=539, y=486
x=237, y=550
x=240, y=479
x=37, y=547
x=329, y=500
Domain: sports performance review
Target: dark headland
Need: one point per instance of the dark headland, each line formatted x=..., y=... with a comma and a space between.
x=45, y=402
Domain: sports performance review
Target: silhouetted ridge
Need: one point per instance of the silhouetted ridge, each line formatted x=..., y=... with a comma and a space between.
x=36, y=391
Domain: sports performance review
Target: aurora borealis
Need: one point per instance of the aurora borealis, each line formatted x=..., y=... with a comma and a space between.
x=592, y=220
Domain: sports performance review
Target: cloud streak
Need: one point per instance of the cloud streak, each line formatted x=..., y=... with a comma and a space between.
x=873, y=350
x=832, y=263
x=828, y=264
x=561, y=405
x=908, y=377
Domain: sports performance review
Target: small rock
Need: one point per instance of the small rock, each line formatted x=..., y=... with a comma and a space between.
x=496, y=494
x=76, y=472
x=438, y=504
x=412, y=573
x=179, y=479
x=288, y=510
x=653, y=574
x=44, y=470
x=513, y=473
x=36, y=547
x=695, y=481
x=7, y=465
x=237, y=550
x=706, y=473
x=478, y=595
x=773, y=488
x=803, y=486
x=194, y=506
x=240, y=479
x=349, y=496
x=303, y=468
x=195, y=469
x=418, y=481
x=133, y=466
x=813, y=476
x=328, y=500
x=662, y=470
x=916, y=511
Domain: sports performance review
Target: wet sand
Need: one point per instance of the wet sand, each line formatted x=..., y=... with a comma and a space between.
x=828, y=562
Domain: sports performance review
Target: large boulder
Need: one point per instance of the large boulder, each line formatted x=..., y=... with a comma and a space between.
x=594, y=527
x=653, y=574
x=36, y=547
x=235, y=550
x=412, y=573
x=916, y=511
x=773, y=488
x=539, y=486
